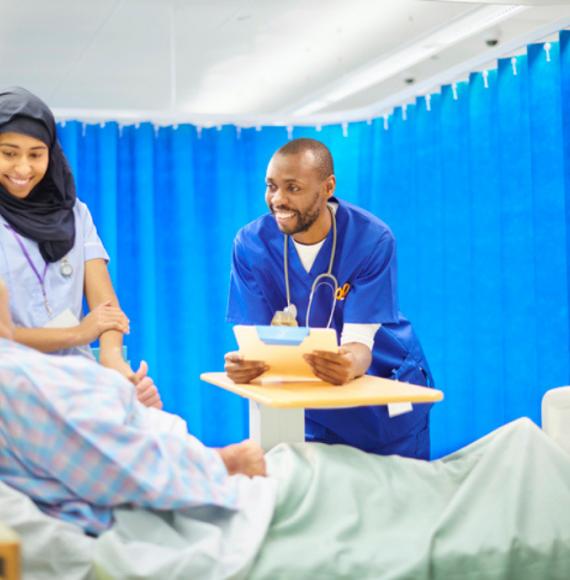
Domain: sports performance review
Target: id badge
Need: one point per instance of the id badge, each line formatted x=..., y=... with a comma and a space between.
x=65, y=319
x=395, y=409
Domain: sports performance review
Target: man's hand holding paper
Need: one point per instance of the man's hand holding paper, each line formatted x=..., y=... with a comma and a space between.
x=243, y=371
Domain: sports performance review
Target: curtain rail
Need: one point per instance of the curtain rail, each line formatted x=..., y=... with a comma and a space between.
x=383, y=107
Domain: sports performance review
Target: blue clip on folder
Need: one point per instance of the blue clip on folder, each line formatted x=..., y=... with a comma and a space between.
x=282, y=335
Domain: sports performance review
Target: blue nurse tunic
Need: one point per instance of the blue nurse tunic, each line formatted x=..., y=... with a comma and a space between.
x=366, y=270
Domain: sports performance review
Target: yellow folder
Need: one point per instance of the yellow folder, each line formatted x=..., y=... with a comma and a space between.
x=282, y=348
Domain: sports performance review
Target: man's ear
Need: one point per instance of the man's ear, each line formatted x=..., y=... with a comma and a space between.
x=330, y=185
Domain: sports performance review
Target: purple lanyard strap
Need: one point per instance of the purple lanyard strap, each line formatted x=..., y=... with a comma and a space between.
x=40, y=277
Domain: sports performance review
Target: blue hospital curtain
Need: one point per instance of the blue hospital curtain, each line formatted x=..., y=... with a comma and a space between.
x=473, y=180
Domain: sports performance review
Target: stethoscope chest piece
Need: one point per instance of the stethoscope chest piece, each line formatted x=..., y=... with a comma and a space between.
x=65, y=268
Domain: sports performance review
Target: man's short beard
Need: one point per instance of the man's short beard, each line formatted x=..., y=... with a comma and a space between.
x=307, y=219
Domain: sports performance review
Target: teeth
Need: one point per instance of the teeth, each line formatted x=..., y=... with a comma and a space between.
x=19, y=181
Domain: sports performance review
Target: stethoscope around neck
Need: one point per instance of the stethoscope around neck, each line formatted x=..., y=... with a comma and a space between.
x=325, y=279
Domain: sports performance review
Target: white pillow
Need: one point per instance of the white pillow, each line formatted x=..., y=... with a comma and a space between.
x=556, y=415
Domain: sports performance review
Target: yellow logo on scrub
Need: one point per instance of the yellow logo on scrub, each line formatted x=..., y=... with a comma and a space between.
x=342, y=292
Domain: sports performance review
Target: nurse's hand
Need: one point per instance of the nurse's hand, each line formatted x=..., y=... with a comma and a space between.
x=243, y=371
x=147, y=393
x=102, y=318
x=336, y=368
x=246, y=457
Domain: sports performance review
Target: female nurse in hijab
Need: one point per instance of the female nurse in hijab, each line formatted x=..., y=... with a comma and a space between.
x=50, y=254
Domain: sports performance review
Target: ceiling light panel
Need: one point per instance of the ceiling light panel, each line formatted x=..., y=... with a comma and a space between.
x=295, y=51
x=402, y=59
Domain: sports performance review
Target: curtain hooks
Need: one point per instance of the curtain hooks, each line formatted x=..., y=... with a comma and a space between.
x=514, y=65
x=454, y=91
x=428, y=103
x=345, y=129
x=485, y=74
x=386, y=126
x=547, y=49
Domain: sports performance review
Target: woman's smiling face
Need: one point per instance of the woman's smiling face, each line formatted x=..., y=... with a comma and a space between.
x=24, y=162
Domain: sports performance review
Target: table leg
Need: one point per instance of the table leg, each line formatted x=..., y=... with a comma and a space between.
x=270, y=425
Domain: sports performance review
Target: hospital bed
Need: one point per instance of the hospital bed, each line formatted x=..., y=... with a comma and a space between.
x=555, y=423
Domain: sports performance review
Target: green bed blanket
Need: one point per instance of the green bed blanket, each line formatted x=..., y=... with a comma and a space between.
x=499, y=508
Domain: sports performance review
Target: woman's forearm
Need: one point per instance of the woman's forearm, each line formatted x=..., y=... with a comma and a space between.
x=49, y=339
x=99, y=289
x=111, y=348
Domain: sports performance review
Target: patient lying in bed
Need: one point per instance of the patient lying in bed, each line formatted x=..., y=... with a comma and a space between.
x=161, y=505
x=75, y=439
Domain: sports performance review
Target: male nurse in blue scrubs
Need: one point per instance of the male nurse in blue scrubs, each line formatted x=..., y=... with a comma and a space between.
x=276, y=261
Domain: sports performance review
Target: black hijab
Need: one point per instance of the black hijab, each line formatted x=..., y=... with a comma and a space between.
x=46, y=214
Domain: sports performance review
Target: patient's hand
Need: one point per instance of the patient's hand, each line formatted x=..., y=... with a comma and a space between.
x=147, y=393
x=246, y=457
x=243, y=371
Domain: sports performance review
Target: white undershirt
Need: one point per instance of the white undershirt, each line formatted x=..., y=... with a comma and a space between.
x=362, y=333
x=308, y=253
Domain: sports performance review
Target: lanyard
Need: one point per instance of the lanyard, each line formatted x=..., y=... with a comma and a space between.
x=41, y=278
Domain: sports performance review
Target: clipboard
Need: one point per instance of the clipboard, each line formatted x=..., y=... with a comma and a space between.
x=282, y=348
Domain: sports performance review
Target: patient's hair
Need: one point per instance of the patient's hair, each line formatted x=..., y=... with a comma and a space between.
x=323, y=157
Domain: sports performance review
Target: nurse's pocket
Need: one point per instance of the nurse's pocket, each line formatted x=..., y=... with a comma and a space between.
x=410, y=371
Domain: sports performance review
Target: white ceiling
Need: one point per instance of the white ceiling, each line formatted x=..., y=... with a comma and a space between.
x=238, y=59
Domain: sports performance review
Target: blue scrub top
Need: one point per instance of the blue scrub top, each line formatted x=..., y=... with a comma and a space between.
x=27, y=305
x=365, y=265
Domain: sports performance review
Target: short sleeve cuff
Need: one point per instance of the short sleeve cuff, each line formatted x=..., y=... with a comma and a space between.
x=94, y=251
x=362, y=333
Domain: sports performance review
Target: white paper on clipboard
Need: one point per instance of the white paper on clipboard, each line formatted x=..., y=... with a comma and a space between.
x=286, y=361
